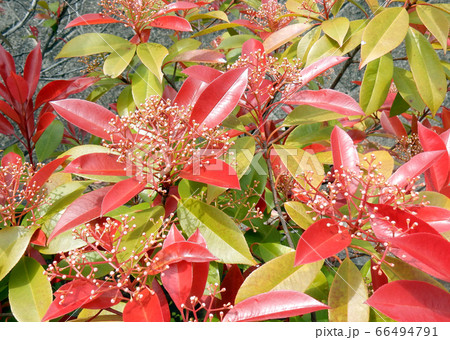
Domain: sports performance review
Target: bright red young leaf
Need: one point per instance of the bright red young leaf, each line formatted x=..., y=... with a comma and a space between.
x=5, y=126
x=32, y=70
x=212, y=171
x=220, y=98
x=82, y=210
x=312, y=71
x=9, y=111
x=412, y=301
x=88, y=116
x=322, y=239
x=379, y=278
x=344, y=151
x=41, y=176
x=18, y=87
x=328, y=100
x=393, y=125
x=121, y=193
x=162, y=300
x=231, y=282
x=145, y=309
x=43, y=123
x=200, y=270
x=203, y=73
x=97, y=164
x=7, y=64
x=172, y=23
x=428, y=252
x=173, y=236
x=92, y=19
x=39, y=238
x=249, y=49
x=438, y=218
x=11, y=158
x=200, y=56
x=190, y=91
x=177, y=280
x=273, y=305
x=176, y=6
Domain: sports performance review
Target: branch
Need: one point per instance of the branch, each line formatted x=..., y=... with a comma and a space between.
x=22, y=22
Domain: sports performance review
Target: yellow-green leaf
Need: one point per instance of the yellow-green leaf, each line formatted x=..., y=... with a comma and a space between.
x=118, y=60
x=403, y=80
x=125, y=102
x=30, y=293
x=305, y=114
x=279, y=274
x=426, y=69
x=374, y=6
x=383, y=33
x=436, y=22
x=336, y=29
x=348, y=293
x=382, y=159
x=215, y=28
x=298, y=212
x=306, y=42
x=376, y=82
x=209, y=15
x=283, y=36
x=144, y=84
x=152, y=55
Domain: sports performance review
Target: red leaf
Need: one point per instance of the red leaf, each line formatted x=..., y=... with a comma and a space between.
x=88, y=116
x=200, y=56
x=344, y=151
x=430, y=253
x=92, y=19
x=82, y=210
x=147, y=308
x=412, y=301
x=249, y=50
x=176, y=6
x=5, y=126
x=40, y=177
x=436, y=177
x=203, y=73
x=44, y=122
x=379, y=278
x=393, y=125
x=32, y=70
x=219, y=99
x=318, y=67
x=438, y=218
x=162, y=300
x=249, y=24
x=328, y=100
x=18, y=87
x=414, y=167
x=322, y=239
x=212, y=171
x=9, y=111
x=39, y=238
x=177, y=280
x=97, y=164
x=171, y=22
x=7, y=64
x=190, y=91
x=232, y=281
x=121, y=193
x=273, y=305
x=171, y=201
x=173, y=236
x=11, y=158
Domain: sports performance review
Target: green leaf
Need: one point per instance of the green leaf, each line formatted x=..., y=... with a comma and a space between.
x=298, y=212
x=376, y=83
x=92, y=43
x=306, y=42
x=49, y=140
x=125, y=102
x=209, y=15
x=279, y=274
x=118, y=60
x=436, y=22
x=336, y=29
x=348, y=293
x=181, y=46
x=374, y=6
x=235, y=41
x=319, y=288
x=269, y=251
x=399, y=106
x=305, y=114
x=30, y=293
x=152, y=55
x=13, y=242
x=308, y=133
x=383, y=33
x=144, y=84
x=403, y=80
x=426, y=69
x=223, y=237
x=215, y=28
x=104, y=85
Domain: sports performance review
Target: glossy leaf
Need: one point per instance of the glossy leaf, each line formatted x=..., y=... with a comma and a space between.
x=92, y=19
x=212, y=171
x=304, y=114
x=407, y=88
x=298, y=213
x=49, y=140
x=120, y=193
x=97, y=164
x=30, y=293
x=347, y=295
x=383, y=33
x=315, y=69
x=437, y=217
x=273, y=305
x=412, y=301
x=204, y=73
x=279, y=274
x=32, y=70
x=283, y=36
x=18, y=87
x=336, y=28
x=190, y=91
x=147, y=308
x=152, y=56
x=376, y=83
x=436, y=22
x=344, y=151
x=118, y=60
x=200, y=56
x=330, y=100
x=44, y=173
x=322, y=239
x=393, y=125
x=172, y=22
x=5, y=126
x=144, y=84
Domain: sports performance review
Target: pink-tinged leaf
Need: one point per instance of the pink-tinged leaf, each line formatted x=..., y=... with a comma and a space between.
x=344, y=151
x=330, y=100
x=176, y=6
x=105, y=299
x=146, y=308
x=414, y=167
x=284, y=35
x=203, y=73
x=74, y=295
x=82, y=210
x=173, y=236
x=190, y=91
x=438, y=218
x=430, y=253
x=40, y=177
x=43, y=123
x=200, y=270
x=318, y=67
x=322, y=239
x=7, y=64
x=445, y=136
x=201, y=56
x=379, y=278
x=11, y=159
x=60, y=89
x=162, y=300
x=212, y=171
x=18, y=87
x=92, y=19
x=249, y=24
x=412, y=301
x=250, y=47
x=32, y=70
x=177, y=280
x=172, y=23
x=97, y=164
x=5, y=126
x=88, y=116
x=121, y=193
x=273, y=305
x=171, y=201
x=9, y=111
x=169, y=93
x=436, y=177
x=393, y=125
x=388, y=222
x=220, y=98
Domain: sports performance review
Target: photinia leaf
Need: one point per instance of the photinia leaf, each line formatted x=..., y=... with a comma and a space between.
x=377, y=275
x=7, y=65
x=203, y=73
x=9, y=111
x=436, y=22
x=32, y=70
x=220, y=98
x=92, y=19
x=322, y=239
x=121, y=193
x=383, y=33
x=49, y=140
x=177, y=280
x=162, y=300
x=18, y=87
x=83, y=209
x=312, y=71
x=144, y=84
x=5, y=126
x=172, y=22
x=41, y=176
x=412, y=301
x=145, y=308
x=336, y=28
x=212, y=171
x=118, y=60
x=348, y=292
x=403, y=80
x=152, y=55
x=330, y=100
x=190, y=91
x=273, y=305
x=283, y=36
x=97, y=164
x=200, y=56
x=393, y=125
x=176, y=6
x=438, y=218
